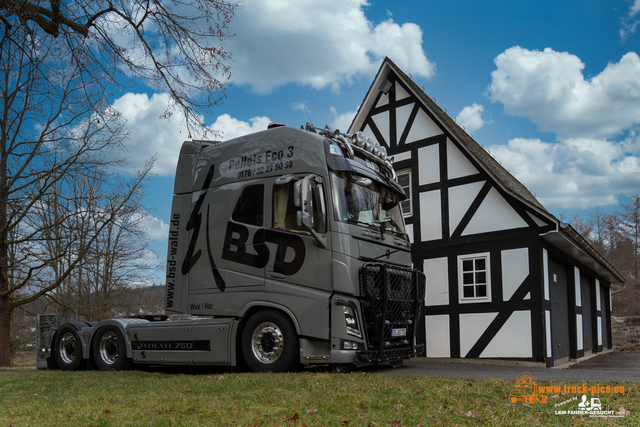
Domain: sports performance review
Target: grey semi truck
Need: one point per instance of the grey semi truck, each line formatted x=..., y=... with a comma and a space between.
x=286, y=247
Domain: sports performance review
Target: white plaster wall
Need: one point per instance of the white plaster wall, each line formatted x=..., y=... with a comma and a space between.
x=423, y=127
x=430, y=216
x=494, y=214
x=428, y=165
x=460, y=198
x=402, y=117
x=545, y=273
x=576, y=280
x=401, y=156
x=513, y=339
x=437, y=335
x=457, y=164
x=400, y=92
x=436, y=272
x=472, y=326
x=536, y=220
x=598, y=295
x=384, y=100
x=515, y=268
x=547, y=317
x=579, y=336
x=409, y=230
x=599, y=331
x=382, y=123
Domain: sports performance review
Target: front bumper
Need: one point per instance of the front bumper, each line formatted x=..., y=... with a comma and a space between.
x=374, y=356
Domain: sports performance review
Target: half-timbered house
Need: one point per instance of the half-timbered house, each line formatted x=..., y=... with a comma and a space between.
x=505, y=278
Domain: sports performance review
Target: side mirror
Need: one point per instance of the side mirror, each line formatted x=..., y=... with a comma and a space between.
x=303, y=198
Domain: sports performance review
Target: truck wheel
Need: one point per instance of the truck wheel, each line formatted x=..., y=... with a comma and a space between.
x=270, y=343
x=67, y=347
x=51, y=362
x=109, y=349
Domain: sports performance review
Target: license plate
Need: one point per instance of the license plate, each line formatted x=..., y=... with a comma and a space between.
x=399, y=332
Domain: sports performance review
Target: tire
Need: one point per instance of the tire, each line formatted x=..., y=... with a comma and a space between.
x=52, y=365
x=109, y=349
x=67, y=347
x=270, y=343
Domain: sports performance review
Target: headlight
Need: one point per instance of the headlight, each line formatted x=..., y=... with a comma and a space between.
x=351, y=321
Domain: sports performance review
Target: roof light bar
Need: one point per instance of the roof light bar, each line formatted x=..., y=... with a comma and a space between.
x=367, y=146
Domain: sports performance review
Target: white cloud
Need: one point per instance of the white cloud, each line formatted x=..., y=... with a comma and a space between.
x=471, y=117
x=549, y=88
x=318, y=43
x=149, y=134
x=628, y=30
x=155, y=228
x=574, y=173
x=233, y=128
x=302, y=106
x=635, y=8
x=341, y=121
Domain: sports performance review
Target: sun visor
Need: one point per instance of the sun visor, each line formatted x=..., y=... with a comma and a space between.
x=364, y=167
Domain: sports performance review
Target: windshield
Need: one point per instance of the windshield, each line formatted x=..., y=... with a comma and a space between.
x=358, y=200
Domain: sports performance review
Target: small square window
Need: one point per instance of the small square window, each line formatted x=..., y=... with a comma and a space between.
x=474, y=278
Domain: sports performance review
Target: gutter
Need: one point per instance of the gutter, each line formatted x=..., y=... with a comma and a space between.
x=567, y=233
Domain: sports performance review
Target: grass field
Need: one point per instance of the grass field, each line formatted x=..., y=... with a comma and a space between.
x=206, y=398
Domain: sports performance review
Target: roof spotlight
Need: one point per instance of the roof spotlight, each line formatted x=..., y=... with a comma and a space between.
x=383, y=152
x=376, y=148
x=359, y=139
x=368, y=144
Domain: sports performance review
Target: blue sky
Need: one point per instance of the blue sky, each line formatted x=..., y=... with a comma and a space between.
x=550, y=88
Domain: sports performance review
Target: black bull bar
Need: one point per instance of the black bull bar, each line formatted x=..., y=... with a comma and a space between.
x=391, y=299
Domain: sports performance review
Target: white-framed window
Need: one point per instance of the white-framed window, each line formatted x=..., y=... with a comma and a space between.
x=404, y=179
x=474, y=278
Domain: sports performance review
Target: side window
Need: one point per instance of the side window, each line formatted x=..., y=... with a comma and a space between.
x=285, y=212
x=474, y=277
x=404, y=179
x=250, y=206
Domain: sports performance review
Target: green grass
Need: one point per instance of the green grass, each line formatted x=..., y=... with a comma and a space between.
x=141, y=398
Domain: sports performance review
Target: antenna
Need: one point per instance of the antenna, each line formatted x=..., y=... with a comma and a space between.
x=307, y=113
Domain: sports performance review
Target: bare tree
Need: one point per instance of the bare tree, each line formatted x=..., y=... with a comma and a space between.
x=117, y=262
x=55, y=128
x=58, y=62
x=174, y=46
x=631, y=224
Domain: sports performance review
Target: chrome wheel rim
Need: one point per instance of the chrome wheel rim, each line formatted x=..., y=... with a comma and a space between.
x=109, y=348
x=267, y=342
x=68, y=347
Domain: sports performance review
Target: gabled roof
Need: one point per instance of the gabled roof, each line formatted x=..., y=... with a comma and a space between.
x=580, y=249
x=491, y=166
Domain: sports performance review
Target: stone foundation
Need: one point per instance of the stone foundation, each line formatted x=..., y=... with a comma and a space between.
x=626, y=333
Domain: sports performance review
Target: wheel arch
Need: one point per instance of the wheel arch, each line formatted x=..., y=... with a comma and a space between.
x=253, y=307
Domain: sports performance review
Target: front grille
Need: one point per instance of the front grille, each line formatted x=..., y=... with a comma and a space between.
x=391, y=299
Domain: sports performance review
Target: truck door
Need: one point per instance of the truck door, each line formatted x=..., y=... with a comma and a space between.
x=243, y=249
x=298, y=272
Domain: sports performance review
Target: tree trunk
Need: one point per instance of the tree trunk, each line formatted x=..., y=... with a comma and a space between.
x=5, y=331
